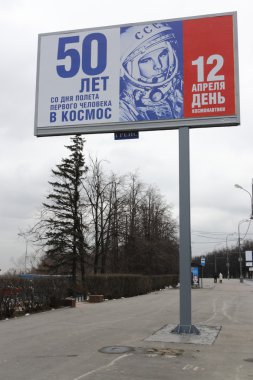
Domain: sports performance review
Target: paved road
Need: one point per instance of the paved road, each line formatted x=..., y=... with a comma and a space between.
x=64, y=344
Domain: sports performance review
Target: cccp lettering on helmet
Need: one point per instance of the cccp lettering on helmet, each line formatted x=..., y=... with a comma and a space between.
x=146, y=30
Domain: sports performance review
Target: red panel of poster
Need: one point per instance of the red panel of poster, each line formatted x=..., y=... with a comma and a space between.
x=209, y=67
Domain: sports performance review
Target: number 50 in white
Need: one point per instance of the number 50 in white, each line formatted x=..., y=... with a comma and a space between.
x=212, y=75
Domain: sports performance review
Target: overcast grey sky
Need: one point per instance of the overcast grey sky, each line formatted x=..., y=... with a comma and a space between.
x=220, y=157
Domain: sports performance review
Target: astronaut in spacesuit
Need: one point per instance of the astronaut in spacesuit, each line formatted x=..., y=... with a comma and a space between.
x=151, y=82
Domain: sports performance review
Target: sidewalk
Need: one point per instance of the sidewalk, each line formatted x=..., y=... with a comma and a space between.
x=111, y=340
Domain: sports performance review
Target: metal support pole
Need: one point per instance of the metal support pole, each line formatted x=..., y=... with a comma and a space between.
x=26, y=244
x=239, y=248
x=185, y=325
x=227, y=264
x=227, y=251
x=240, y=253
x=251, y=217
x=240, y=258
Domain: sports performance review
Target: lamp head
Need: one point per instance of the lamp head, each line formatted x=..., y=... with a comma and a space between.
x=238, y=186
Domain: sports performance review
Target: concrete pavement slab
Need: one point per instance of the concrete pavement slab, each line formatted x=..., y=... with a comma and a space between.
x=207, y=335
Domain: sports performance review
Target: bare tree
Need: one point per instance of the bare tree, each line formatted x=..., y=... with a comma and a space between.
x=159, y=233
x=99, y=196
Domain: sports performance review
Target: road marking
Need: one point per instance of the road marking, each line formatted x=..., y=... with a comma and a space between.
x=214, y=312
x=103, y=367
x=189, y=367
x=225, y=312
x=238, y=370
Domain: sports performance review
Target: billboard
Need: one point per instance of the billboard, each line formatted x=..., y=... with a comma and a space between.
x=248, y=258
x=147, y=76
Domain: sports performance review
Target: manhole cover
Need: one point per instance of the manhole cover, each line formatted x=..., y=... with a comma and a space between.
x=116, y=349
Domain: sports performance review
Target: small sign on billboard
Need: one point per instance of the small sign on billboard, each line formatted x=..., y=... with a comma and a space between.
x=126, y=135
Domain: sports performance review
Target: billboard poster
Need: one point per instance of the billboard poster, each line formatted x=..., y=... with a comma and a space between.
x=195, y=276
x=147, y=76
x=248, y=256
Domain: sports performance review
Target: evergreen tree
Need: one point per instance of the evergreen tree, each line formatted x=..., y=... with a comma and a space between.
x=64, y=230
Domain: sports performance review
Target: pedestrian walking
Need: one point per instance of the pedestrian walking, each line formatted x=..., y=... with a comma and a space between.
x=220, y=277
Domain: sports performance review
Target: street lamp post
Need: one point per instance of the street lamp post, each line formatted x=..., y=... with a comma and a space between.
x=239, y=248
x=251, y=197
x=228, y=274
x=215, y=256
x=242, y=221
x=23, y=235
x=26, y=246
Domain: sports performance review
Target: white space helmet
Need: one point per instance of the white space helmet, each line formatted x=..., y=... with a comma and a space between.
x=138, y=41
